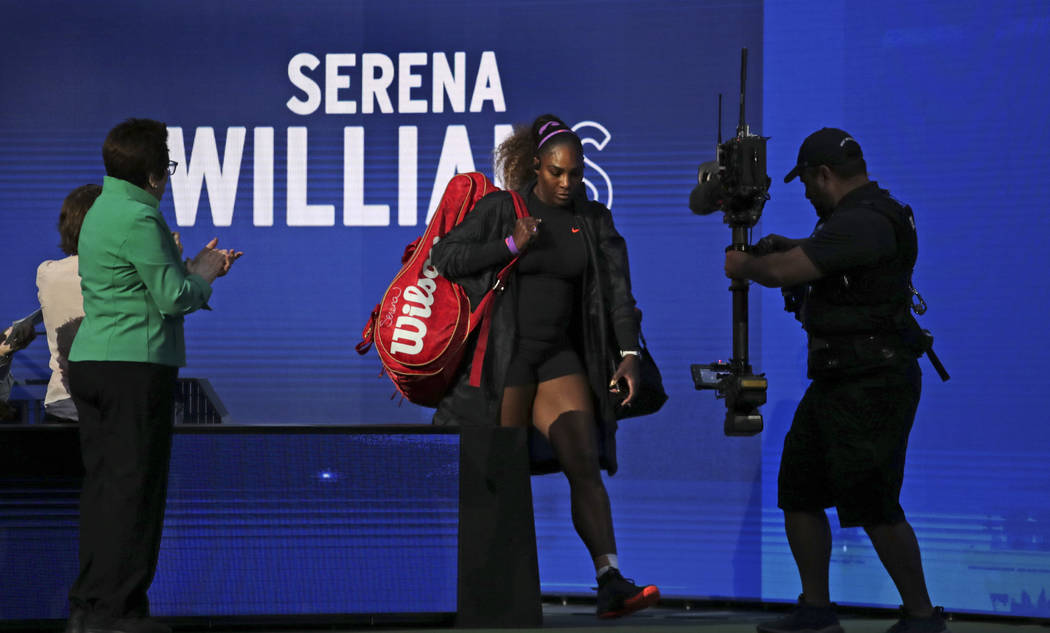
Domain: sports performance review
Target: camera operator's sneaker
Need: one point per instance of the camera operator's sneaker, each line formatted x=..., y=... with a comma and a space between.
x=804, y=618
x=618, y=596
x=934, y=623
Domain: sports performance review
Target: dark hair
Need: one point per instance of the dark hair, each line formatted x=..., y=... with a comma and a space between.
x=71, y=217
x=136, y=149
x=514, y=156
x=843, y=171
x=849, y=169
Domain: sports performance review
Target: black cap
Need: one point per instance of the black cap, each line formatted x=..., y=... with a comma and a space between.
x=826, y=146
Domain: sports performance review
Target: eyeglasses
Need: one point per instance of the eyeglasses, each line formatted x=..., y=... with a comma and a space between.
x=171, y=167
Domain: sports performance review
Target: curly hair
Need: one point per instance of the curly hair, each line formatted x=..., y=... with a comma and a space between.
x=515, y=157
x=71, y=217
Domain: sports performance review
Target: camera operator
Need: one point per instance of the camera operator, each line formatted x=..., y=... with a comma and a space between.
x=847, y=442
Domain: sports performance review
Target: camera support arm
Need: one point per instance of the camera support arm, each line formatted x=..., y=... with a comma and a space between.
x=740, y=289
x=740, y=189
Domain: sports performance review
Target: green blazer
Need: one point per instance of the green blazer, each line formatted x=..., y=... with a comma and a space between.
x=136, y=287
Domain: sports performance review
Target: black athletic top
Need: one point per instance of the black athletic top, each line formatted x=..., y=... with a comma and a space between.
x=549, y=272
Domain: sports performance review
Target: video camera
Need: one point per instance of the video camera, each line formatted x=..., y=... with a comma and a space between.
x=737, y=184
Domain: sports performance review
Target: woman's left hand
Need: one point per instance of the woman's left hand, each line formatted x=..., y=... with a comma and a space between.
x=628, y=372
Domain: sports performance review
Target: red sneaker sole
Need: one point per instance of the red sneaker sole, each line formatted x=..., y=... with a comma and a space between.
x=646, y=598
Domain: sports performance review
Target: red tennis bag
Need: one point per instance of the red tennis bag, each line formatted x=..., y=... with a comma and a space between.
x=421, y=326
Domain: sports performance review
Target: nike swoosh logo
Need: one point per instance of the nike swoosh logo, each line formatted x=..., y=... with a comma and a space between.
x=575, y=230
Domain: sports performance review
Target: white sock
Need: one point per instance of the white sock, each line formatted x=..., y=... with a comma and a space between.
x=613, y=562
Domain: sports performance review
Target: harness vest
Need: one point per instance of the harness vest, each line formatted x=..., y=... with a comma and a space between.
x=859, y=320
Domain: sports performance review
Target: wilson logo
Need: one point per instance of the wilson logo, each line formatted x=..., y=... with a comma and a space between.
x=410, y=328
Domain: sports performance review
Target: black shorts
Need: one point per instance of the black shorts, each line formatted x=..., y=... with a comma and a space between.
x=846, y=447
x=538, y=361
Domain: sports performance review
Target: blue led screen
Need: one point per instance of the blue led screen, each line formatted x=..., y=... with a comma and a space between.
x=314, y=137
x=264, y=523
x=945, y=102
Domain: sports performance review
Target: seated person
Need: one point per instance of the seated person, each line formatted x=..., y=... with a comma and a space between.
x=58, y=286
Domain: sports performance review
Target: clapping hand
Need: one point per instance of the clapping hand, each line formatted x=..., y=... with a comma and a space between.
x=212, y=262
x=231, y=256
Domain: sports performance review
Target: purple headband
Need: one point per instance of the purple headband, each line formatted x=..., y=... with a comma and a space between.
x=558, y=131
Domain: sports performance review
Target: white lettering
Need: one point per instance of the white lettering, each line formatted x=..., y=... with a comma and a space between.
x=447, y=82
x=374, y=87
x=333, y=82
x=300, y=212
x=456, y=158
x=422, y=294
x=203, y=165
x=583, y=130
x=423, y=312
x=487, y=86
x=355, y=211
x=407, y=175
x=262, y=169
x=409, y=329
x=422, y=297
x=407, y=80
x=304, y=83
x=185, y=213
x=388, y=316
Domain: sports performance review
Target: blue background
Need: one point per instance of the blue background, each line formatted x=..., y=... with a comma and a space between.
x=948, y=102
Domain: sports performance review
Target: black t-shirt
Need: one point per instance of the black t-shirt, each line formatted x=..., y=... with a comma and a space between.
x=549, y=272
x=854, y=235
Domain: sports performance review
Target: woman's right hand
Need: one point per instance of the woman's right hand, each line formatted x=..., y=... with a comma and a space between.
x=525, y=230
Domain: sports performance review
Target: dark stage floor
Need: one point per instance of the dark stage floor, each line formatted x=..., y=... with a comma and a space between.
x=669, y=619
x=574, y=617
x=580, y=616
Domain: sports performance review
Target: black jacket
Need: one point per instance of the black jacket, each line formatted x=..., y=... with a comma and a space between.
x=607, y=322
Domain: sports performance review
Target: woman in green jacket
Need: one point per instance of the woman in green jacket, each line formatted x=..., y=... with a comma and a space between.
x=122, y=371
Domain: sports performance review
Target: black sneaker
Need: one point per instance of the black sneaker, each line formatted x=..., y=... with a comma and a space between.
x=934, y=623
x=618, y=596
x=805, y=618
